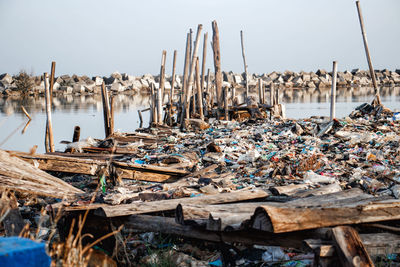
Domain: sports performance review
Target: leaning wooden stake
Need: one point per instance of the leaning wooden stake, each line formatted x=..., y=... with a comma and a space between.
x=171, y=96
x=112, y=114
x=377, y=99
x=209, y=94
x=140, y=119
x=106, y=110
x=185, y=78
x=199, y=90
x=160, y=95
x=203, y=66
x=226, y=103
x=350, y=248
x=192, y=70
x=52, y=73
x=48, y=112
x=245, y=64
x=333, y=91
x=217, y=64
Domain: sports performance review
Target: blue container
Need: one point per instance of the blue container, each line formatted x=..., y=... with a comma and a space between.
x=16, y=251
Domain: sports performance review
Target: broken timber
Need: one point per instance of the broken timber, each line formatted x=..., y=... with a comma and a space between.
x=16, y=174
x=94, y=166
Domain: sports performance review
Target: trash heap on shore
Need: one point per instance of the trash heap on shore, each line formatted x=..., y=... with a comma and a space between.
x=293, y=192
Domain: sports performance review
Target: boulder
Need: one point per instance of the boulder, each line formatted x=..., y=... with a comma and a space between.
x=117, y=87
x=98, y=80
x=237, y=79
x=311, y=84
x=5, y=77
x=110, y=80
x=116, y=75
x=298, y=82
x=273, y=75
x=66, y=89
x=321, y=72
x=78, y=88
x=227, y=77
x=136, y=85
x=144, y=83
x=306, y=77
x=397, y=71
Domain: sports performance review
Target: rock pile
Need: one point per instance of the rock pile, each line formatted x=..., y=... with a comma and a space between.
x=117, y=82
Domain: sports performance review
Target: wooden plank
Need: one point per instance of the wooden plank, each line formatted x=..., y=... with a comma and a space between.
x=350, y=247
x=171, y=204
x=289, y=218
x=167, y=225
x=375, y=243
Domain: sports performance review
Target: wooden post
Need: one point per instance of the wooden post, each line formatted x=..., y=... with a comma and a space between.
x=185, y=77
x=75, y=138
x=106, y=110
x=112, y=114
x=154, y=117
x=271, y=94
x=371, y=69
x=233, y=96
x=203, y=66
x=199, y=90
x=160, y=95
x=245, y=65
x=171, y=102
x=226, y=102
x=53, y=70
x=277, y=96
x=190, y=46
x=48, y=112
x=260, y=96
x=217, y=64
x=192, y=69
x=209, y=95
x=333, y=91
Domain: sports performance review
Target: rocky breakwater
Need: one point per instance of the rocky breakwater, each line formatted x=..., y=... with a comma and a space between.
x=128, y=84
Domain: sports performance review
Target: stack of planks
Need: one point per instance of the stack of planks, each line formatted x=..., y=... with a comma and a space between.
x=18, y=175
x=322, y=222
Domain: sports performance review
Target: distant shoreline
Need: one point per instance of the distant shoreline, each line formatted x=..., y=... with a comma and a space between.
x=124, y=83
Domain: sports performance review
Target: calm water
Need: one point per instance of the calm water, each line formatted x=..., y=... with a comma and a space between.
x=86, y=111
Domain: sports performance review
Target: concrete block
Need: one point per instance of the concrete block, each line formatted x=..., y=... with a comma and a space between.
x=97, y=80
x=5, y=77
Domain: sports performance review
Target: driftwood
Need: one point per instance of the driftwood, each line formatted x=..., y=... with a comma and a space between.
x=169, y=226
x=375, y=243
x=20, y=176
x=350, y=247
x=170, y=204
x=285, y=218
x=94, y=166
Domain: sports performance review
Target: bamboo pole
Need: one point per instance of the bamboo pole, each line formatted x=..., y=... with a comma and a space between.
x=203, y=65
x=106, y=110
x=199, y=90
x=377, y=99
x=333, y=91
x=171, y=102
x=192, y=69
x=185, y=77
x=245, y=64
x=217, y=64
x=160, y=95
x=112, y=114
x=48, y=113
x=52, y=73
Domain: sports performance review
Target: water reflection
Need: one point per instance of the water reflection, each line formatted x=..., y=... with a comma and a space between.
x=86, y=111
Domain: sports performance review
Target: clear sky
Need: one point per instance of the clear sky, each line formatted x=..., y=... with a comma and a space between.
x=97, y=37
